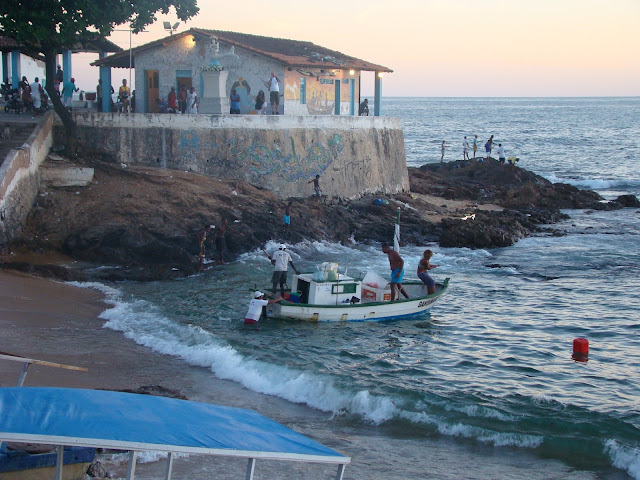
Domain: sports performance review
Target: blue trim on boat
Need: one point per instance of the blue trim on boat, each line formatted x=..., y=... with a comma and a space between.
x=14, y=460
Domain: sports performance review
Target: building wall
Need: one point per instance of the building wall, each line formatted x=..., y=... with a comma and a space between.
x=248, y=72
x=20, y=179
x=353, y=155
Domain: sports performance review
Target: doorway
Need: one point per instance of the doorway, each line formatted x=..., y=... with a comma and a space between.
x=153, y=90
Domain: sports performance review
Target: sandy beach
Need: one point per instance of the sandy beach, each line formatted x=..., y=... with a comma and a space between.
x=58, y=322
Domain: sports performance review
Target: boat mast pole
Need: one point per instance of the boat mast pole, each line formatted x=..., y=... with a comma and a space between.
x=396, y=236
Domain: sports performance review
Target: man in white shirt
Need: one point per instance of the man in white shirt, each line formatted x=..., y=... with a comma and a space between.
x=501, y=154
x=465, y=148
x=274, y=94
x=255, y=307
x=35, y=93
x=281, y=260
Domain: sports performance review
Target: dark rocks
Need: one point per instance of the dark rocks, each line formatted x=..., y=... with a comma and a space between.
x=143, y=223
x=627, y=201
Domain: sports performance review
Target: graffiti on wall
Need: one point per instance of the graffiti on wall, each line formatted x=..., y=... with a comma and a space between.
x=271, y=160
x=260, y=159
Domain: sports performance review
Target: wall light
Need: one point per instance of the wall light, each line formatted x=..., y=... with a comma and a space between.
x=352, y=72
x=380, y=74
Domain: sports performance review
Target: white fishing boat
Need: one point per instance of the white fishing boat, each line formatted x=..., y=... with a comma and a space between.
x=341, y=298
x=329, y=296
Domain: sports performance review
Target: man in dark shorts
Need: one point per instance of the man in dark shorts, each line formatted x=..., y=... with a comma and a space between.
x=220, y=242
x=202, y=237
x=281, y=260
x=397, y=271
x=274, y=94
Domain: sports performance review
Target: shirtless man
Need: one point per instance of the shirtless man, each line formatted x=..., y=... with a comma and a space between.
x=397, y=271
x=202, y=237
x=220, y=242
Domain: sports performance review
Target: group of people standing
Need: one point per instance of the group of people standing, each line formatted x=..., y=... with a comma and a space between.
x=34, y=98
x=220, y=243
x=466, y=145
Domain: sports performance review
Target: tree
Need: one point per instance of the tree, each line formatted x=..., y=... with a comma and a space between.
x=51, y=26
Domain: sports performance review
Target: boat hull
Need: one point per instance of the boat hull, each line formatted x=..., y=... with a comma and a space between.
x=359, y=312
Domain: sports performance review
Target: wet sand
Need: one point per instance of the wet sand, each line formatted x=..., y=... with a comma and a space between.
x=58, y=322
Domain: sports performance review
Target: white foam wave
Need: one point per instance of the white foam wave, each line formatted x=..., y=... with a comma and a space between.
x=624, y=458
x=481, y=411
x=498, y=439
x=590, y=184
x=142, y=322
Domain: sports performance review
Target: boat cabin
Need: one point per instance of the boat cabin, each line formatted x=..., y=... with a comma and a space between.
x=325, y=292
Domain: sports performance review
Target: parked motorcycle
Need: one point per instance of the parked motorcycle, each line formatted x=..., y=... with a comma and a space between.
x=14, y=103
x=6, y=90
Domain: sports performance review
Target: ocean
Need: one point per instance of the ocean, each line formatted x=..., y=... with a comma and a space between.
x=483, y=386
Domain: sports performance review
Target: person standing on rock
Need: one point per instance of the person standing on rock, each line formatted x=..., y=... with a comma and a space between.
x=202, y=237
x=501, y=154
x=281, y=260
x=465, y=148
x=442, y=148
x=221, y=244
x=316, y=185
x=286, y=218
x=488, y=146
x=397, y=271
x=475, y=146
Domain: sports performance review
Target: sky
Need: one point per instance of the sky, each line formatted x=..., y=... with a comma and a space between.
x=443, y=48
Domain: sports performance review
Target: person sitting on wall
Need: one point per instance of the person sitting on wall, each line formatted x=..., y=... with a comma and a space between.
x=162, y=106
x=363, y=110
x=234, y=101
x=261, y=103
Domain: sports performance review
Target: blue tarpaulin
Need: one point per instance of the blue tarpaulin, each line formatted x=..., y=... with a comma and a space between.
x=129, y=421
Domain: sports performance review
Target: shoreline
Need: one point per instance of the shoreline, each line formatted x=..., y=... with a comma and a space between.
x=54, y=321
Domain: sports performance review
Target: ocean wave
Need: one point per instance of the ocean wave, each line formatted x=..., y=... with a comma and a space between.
x=141, y=321
x=624, y=458
x=594, y=183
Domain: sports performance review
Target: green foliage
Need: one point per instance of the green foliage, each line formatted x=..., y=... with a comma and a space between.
x=44, y=25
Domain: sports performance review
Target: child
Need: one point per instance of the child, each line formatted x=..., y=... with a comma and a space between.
x=316, y=185
x=423, y=271
x=286, y=219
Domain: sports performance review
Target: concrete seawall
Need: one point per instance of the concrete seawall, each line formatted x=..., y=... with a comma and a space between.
x=20, y=179
x=353, y=155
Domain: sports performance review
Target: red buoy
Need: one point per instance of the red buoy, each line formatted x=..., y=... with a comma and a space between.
x=581, y=346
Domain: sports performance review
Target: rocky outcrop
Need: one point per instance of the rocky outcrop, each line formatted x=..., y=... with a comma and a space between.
x=143, y=222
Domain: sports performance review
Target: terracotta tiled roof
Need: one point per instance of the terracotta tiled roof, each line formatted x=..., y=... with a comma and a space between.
x=292, y=53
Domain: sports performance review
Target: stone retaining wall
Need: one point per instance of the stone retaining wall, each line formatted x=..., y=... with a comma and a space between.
x=353, y=155
x=20, y=179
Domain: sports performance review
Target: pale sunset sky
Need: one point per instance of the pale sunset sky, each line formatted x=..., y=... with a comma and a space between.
x=467, y=48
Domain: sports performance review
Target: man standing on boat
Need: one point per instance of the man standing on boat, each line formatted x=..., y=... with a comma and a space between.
x=281, y=260
x=397, y=271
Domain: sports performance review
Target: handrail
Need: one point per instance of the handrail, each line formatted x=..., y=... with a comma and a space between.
x=28, y=361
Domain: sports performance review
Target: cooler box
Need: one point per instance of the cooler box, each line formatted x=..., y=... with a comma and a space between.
x=294, y=297
x=376, y=294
